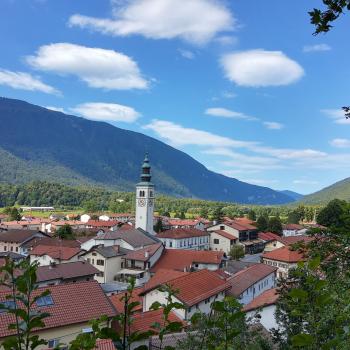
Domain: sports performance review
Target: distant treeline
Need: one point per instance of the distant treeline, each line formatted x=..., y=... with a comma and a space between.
x=93, y=199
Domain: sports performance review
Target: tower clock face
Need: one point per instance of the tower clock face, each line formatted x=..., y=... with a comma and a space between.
x=142, y=202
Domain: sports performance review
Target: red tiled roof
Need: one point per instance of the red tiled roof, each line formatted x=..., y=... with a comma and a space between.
x=240, y=226
x=225, y=234
x=245, y=220
x=197, y=286
x=244, y=279
x=162, y=276
x=55, y=252
x=97, y=223
x=48, y=241
x=119, y=304
x=284, y=254
x=104, y=344
x=268, y=236
x=295, y=239
x=73, y=303
x=142, y=322
x=144, y=254
x=269, y=297
x=182, y=259
x=183, y=222
x=178, y=233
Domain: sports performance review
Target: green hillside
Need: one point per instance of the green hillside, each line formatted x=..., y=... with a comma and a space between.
x=340, y=189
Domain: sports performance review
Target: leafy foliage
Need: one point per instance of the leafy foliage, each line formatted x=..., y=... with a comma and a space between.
x=323, y=19
x=236, y=252
x=21, y=302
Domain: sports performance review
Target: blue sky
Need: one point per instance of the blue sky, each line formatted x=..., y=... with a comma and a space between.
x=242, y=86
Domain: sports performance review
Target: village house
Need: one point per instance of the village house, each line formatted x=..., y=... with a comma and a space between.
x=189, y=260
x=16, y=240
x=131, y=239
x=70, y=308
x=222, y=241
x=35, y=225
x=50, y=255
x=284, y=259
x=53, y=274
x=103, y=224
x=293, y=230
x=199, y=224
x=185, y=238
x=121, y=217
x=137, y=264
x=195, y=290
x=247, y=284
x=273, y=241
x=245, y=234
x=265, y=305
x=53, y=226
x=107, y=260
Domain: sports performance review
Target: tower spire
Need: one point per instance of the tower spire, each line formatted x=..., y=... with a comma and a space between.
x=146, y=170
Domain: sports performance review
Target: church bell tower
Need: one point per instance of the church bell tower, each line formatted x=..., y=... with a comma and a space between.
x=145, y=199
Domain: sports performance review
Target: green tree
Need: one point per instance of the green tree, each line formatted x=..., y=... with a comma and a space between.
x=158, y=227
x=333, y=214
x=236, y=252
x=20, y=302
x=204, y=212
x=182, y=215
x=262, y=223
x=65, y=232
x=13, y=213
x=225, y=327
x=252, y=215
x=275, y=225
x=293, y=217
x=323, y=19
x=217, y=214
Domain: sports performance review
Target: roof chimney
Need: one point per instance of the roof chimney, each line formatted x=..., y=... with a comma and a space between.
x=146, y=254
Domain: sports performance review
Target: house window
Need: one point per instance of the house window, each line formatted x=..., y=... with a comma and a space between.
x=151, y=193
x=170, y=244
x=88, y=260
x=45, y=301
x=94, y=254
x=8, y=304
x=100, y=262
x=142, y=193
x=5, y=248
x=11, y=249
x=216, y=241
x=222, y=227
x=52, y=343
x=16, y=249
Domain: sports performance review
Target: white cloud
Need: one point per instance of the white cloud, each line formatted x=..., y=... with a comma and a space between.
x=261, y=68
x=228, y=94
x=340, y=143
x=338, y=115
x=99, y=68
x=25, y=81
x=227, y=40
x=107, y=112
x=187, y=54
x=56, y=109
x=273, y=125
x=178, y=135
x=197, y=21
x=262, y=182
x=317, y=47
x=227, y=113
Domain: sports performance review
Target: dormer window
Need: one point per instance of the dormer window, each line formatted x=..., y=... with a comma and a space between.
x=44, y=301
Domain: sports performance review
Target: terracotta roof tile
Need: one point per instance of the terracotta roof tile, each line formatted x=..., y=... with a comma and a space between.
x=104, y=344
x=144, y=254
x=225, y=234
x=244, y=279
x=73, y=303
x=269, y=297
x=142, y=322
x=178, y=233
x=284, y=254
x=119, y=304
x=195, y=287
x=55, y=252
x=182, y=259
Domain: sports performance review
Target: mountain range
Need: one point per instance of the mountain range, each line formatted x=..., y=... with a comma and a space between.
x=40, y=144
